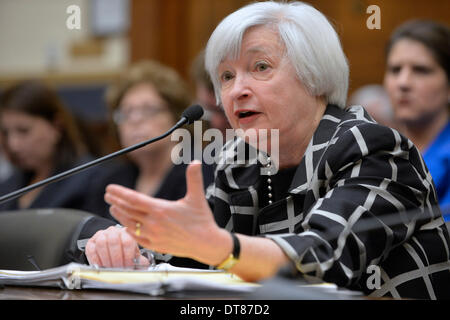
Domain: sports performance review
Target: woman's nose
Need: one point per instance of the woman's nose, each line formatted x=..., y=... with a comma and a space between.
x=241, y=88
x=404, y=79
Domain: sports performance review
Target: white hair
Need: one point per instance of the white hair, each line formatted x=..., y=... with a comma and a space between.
x=372, y=92
x=375, y=99
x=312, y=46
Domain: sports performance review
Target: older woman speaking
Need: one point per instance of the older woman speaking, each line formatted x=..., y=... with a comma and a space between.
x=280, y=66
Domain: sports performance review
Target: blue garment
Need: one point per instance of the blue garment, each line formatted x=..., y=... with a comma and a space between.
x=437, y=158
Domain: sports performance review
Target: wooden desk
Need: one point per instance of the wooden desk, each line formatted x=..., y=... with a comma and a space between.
x=272, y=289
x=35, y=293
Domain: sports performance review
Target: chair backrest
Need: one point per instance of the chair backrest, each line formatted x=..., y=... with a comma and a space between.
x=44, y=235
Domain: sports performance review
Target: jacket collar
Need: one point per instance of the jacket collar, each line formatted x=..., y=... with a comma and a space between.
x=321, y=139
x=247, y=173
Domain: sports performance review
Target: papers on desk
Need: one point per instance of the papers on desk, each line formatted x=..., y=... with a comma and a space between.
x=157, y=280
x=164, y=279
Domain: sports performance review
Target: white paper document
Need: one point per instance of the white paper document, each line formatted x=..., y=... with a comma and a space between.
x=157, y=280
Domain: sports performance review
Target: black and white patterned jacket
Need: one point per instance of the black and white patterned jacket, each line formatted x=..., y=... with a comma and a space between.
x=344, y=213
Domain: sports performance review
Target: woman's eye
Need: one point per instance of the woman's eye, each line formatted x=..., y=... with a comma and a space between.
x=422, y=69
x=261, y=66
x=394, y=69
x=226, y=76
x=23, y=130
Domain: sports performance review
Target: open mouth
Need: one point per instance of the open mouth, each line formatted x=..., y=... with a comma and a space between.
x=246, y=114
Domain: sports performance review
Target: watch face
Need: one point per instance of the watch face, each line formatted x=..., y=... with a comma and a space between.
x=228, y=263
x=233, y=258
x=231, y=263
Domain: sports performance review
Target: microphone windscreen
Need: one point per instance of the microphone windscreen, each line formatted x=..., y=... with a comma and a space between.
x=193, y=113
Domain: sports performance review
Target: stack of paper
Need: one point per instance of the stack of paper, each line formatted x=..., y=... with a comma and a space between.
x=165, y=279
x=157, y=280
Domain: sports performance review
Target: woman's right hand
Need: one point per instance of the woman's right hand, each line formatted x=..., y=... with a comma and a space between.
x=114, y=248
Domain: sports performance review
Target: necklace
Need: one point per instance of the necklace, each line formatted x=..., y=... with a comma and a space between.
x=269, y=181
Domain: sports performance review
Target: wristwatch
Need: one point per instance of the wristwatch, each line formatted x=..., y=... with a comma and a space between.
x=233, y=258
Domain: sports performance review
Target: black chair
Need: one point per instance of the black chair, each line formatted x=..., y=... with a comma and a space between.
x=45, y=238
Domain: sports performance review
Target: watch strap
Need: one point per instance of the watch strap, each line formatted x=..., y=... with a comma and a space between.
x=236, y=246
x=233, y=258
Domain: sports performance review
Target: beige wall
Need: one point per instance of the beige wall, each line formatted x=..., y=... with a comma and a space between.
x=34, y=40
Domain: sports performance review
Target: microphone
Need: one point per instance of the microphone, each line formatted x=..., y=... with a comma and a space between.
x=191, y=114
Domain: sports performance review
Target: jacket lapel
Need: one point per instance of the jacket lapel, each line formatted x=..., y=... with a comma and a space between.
x=321, y=139
x=242, y=175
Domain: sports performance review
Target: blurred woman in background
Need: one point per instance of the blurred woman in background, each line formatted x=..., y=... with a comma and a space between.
x=205, y=96
x=417, y=80
x=40, y=138
x=147, y=100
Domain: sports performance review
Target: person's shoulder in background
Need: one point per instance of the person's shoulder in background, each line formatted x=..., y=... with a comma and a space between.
x=173, y=187
x=116, y=171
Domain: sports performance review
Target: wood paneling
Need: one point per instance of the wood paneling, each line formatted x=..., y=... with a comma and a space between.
x=174, y=31
x=364, y=47
x=144, y=29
